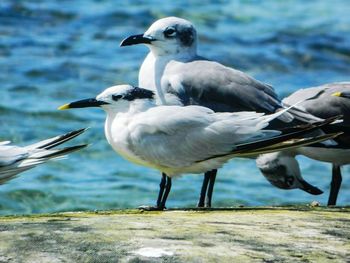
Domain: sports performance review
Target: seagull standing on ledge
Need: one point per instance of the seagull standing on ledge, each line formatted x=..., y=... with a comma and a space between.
x=178, y=76
x=191, y=139
x=281, y=169
x=15, y=159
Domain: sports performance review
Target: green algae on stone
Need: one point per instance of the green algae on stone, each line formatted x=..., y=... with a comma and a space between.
x=217, y=235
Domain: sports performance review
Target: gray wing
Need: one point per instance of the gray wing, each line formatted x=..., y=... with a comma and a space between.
x=175, y=136
x=10, y=157
x=220, y=88
x=325, y=105
x=10, y=154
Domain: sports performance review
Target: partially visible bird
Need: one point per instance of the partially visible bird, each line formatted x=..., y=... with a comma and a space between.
x=282, y=169
x=191, y=139
x=15, y=159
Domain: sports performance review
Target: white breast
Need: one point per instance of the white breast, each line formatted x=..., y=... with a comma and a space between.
x=147, y=73
x=117, y=134
x=155, y=74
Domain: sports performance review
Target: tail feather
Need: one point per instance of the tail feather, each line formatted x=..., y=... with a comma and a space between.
x=289, y=134
x=12, y=173
x=296, y=133
x=299, y=113
x=303, y=115
x=52, y=153
x=40, y=152
x=290, y=144
x=282, y=114
x=57, y=140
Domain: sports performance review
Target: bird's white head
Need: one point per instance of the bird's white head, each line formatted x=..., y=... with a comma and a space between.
x=114, y=99
x=167, y=36
x=282, y=170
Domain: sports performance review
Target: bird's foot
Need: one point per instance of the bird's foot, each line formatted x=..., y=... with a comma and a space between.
x=151, y=208
x=200, y=205
x=204, y=204
x=207, y=205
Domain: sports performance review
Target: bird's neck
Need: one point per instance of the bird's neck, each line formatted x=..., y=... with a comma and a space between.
x=152, y=69
x=180, y=53
x=122, y=116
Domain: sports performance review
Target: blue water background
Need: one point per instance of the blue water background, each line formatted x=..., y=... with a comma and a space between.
x=54, y=52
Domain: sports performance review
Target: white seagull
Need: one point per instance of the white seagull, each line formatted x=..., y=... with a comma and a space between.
x=282, y=169
x=190, y=139
x=15, y=159
x=179, y=76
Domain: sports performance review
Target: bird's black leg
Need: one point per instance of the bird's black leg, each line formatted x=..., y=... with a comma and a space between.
x=204, y=189
x=335, y=185
x=166, y=193
x=161, y=189
x=212, y=178
x=161, y=195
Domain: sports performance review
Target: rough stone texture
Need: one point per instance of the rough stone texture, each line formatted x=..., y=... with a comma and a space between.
x=223, y=235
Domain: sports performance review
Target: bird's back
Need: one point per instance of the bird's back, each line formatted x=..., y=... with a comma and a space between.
x=325, y=106
x=220, y=88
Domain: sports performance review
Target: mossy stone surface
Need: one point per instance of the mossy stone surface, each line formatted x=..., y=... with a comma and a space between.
x=292, y=234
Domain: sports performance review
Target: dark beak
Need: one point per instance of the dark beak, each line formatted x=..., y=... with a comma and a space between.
x=136, y=39
x=82, y=104
x=305, y=186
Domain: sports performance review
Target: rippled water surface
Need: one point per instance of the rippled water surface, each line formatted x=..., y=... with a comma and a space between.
x=53, y=52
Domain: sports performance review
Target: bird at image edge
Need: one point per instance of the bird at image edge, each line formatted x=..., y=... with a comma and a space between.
x=15, y=159
x=282, y=170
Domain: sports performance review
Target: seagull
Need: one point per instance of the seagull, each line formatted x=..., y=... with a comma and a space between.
x=179, y=76
x=186, y=139
x=15, y=159
x=282, y=170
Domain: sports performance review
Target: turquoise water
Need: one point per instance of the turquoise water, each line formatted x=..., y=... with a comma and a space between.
x=53, y=52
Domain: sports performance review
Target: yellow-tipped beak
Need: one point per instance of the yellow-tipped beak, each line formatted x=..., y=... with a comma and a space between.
x=337, y=94
x=64, y=107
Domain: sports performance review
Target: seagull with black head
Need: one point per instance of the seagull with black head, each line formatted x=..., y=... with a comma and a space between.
x=149, y=135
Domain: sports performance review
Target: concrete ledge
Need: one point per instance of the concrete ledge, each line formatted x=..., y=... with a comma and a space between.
x=286, y=234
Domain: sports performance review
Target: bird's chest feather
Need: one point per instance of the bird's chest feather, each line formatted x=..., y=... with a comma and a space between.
x=155, y=75
x=147, y=73
x=118, y=136
x=151, y=72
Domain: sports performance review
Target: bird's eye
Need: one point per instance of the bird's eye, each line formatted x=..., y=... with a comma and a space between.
x=289, y=180
x=116, y=97
x=170, y=32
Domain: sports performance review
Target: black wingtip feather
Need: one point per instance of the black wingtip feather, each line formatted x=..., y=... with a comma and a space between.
x=65, y=151
x=292, y=134
x=299, y=131
x=63, y=138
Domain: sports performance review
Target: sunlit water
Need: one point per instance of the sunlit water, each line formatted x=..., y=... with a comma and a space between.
x=53, y=52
